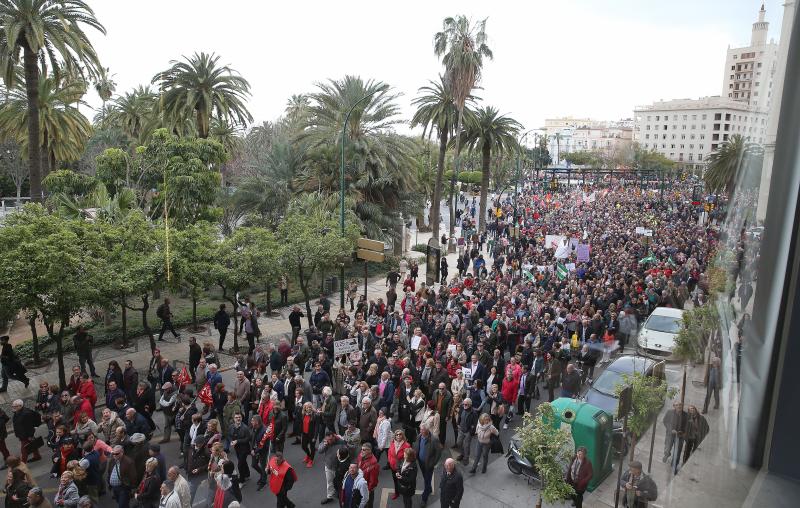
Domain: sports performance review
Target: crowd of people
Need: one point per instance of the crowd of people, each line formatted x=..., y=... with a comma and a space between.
x=430, y=366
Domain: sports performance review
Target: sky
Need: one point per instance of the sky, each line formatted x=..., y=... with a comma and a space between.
x=581, y=58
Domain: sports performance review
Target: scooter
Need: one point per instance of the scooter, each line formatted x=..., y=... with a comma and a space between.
x=518, y=464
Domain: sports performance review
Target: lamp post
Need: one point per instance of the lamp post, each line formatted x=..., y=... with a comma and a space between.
x=519, y=172
x=341, y=184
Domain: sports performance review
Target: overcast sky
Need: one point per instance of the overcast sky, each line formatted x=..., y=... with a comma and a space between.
x=588, y=58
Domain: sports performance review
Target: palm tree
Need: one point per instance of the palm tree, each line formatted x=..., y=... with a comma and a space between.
x=437, y=109
x=491, y=133
x=200, y=88
x=105, y=85
x=63, y=130
x=380, y=159
x=462, y=48
x=726, y=164
x=135, y=113
x=44, y=31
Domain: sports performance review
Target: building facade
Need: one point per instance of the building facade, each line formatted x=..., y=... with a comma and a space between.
x=566, y=135
x=688, y=130
x=750, y=70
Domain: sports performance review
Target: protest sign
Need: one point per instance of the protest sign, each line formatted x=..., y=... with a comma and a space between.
x=553, y=241
x=582, y=252
x=344, y=346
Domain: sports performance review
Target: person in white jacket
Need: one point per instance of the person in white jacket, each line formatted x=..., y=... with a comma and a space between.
x=169, y=498
x=355, y=492
x=181, y=486
x=383, y=433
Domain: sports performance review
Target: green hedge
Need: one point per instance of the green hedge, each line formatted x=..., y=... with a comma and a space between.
x=420, y=247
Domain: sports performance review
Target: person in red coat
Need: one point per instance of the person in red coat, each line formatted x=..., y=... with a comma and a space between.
x=82, y=406
x=86, y=390
x=281, y=479
x=579, y=473
x=509, y=391
x=368, y=465
x=396, y=456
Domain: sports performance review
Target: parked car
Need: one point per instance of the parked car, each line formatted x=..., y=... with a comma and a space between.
x=602, y=391
x=657, y=336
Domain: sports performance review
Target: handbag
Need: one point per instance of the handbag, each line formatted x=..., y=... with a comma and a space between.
x=495, y=446
x=36, y=443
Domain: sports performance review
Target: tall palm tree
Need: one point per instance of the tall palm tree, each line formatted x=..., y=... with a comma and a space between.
x=44, y=31
x=462, y=48
x=105, y=86
x=135, y=113
x=379, y=159
x=436, y=109
x=63, y=130
x=199, y=87
x=492, y=134
x=727, y=164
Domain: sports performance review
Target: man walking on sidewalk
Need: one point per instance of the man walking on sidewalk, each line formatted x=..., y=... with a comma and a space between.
x=83, y=347
x=165, y=315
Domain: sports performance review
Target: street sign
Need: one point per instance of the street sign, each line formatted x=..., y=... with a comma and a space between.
x=373, y=245
x=369, y=255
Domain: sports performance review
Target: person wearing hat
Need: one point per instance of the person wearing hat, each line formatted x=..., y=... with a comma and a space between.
x=154, y=450
x=636, y=488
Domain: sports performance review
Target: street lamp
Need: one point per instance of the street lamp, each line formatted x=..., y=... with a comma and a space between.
x=519, y=171
x=341, y=183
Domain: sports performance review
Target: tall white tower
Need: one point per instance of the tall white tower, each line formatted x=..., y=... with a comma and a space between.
x=760, y=29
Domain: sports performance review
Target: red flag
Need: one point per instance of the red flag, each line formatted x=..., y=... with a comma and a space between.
x=184, y=378
x=205, y=395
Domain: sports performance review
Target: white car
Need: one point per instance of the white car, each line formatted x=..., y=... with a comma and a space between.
x=657, y=337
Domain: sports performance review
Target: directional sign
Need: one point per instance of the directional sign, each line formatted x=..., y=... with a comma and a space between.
x=373, y=245
x=369, y=255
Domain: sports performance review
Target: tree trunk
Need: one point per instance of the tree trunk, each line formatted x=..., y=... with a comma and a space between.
x=147, y=330
x=34, y=338
x=304, y=289
x=124, y=325
x=269, y=298
x=486, y=152
x=194, y=312
x=19, y=195
x=437, y=188
x=32, y=91
x=455, y=172
x=59, y=339
x=202, y=128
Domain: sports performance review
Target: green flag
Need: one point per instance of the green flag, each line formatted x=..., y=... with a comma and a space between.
x=671, y=262
x=650, y=258
x=527, y=275
x=561, y=271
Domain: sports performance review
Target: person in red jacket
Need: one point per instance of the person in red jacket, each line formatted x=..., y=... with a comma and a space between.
x=396, y=456
x=281, y=479
x=82, y=406
x=579, y=474
x=509, y=391
x=86, y=390
x=368, y=465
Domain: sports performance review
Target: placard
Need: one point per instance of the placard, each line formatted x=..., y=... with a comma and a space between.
x=344, y=346
x=582, y=251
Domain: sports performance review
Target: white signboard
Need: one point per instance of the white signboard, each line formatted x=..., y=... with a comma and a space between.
x=553, y=241
x=344, y=346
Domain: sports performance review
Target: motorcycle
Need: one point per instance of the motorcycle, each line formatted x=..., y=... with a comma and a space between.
x=518, y=464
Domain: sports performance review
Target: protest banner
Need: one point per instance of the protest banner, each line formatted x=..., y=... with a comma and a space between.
x=582, y=252
x=553, y=241
x=344, y=346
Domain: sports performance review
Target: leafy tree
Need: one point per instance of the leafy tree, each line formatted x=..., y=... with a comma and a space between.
x=134, y=265
x=489, y=132
x=44, y=30
x=70, y=183
x=550, y=449
x=52, y=267
x=199, y=88
x=184, y=171
x=63, y=130
x=113, y=169
x=311, y=243
x=104, y=85
x=136, y=113
x=581, y=158
x=13, y=166
x=729, y=161
x=462, y=48
x=649, y=393
x=194, y=260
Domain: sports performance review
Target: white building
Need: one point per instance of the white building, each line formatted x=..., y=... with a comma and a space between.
x=749, y=70
x=688, y=130
x=568, y=134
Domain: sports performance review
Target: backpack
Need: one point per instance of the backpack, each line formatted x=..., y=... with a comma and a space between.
x=161, y=311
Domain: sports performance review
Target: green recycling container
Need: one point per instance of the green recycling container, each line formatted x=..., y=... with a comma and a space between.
x=591, y=427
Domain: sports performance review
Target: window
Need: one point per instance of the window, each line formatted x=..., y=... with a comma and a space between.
x=715, y=137
x=691, y=146
x=727, y=126
x=648, y=118
x=682, y=147
x=674, y=117
x=733, y=67
x=717, y=116
x=699, y=156
x=759, y=65
x=727, y=116
x=648, y=127
x=647, y=136
x=665, y=126
x=694, y=117
x=755, y=94
x=691, y=136
x=683, y=127
x=724, y=137
x=703, y=127
x=714, y=146
x=683, y=136
x=685, y=117
x=700, y=146
x=704, y=117
x=716, y=126
x=690, y=156
x=657, y=118
x=702, y=136
x=672, y=145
